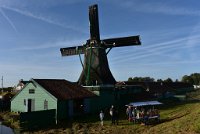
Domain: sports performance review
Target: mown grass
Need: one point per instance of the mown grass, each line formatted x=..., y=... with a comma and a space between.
x=181, y=118
x=176, y=118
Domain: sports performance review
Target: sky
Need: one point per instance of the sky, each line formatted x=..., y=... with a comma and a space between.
x=33, y=31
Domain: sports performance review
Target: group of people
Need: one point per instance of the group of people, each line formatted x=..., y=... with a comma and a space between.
x=136, y=114
x=114, y=113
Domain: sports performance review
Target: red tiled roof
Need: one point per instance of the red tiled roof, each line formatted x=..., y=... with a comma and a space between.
x=63, y=89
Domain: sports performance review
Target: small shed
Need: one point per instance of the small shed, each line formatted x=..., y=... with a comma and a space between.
x=66, y=97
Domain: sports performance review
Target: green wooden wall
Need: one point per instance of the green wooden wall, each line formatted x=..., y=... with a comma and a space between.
x=104, y=100
x=63, y=110
x=108, y=95
x=40, y=95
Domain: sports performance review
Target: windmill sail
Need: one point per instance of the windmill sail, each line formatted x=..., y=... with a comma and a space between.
x=72, y=51
x=122, y=41
x=94, y=23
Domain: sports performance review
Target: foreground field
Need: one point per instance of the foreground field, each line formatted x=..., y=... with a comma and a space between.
x=176, y=118
x=181, y=118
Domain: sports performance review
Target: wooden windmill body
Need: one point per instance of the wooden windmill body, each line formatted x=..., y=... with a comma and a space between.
x=96, y=69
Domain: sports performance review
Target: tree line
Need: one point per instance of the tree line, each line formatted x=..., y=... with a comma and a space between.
x=193, y=79
x=147, y=79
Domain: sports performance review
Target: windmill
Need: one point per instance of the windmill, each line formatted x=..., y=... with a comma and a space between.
x=95, y=67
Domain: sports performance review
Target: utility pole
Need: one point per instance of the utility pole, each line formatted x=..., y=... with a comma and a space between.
x=2, y=84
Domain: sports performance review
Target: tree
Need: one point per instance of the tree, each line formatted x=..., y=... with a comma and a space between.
x=193, y=79
x=141, y=79
x=176, y=80
x=130, y=79
x=148, y=79
x=185, y=79
x=159, y=80
x=168, y=80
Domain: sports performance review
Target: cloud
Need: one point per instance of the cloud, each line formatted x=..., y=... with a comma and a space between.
x=159, y=49
x=38, y=3
x=48, y=45
x=42, y=18
x=172, y=63
x=8, y=19
x=159, y=8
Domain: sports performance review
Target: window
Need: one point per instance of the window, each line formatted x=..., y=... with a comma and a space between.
x=31, y=91
x=25, y=102
x=45, y=105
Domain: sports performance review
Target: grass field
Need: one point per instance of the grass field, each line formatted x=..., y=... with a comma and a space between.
x=176, y=118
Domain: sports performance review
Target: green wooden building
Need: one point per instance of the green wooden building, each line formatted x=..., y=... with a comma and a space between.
x=66, y=97
x=117, y=95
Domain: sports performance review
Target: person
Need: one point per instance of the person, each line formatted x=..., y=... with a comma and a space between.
x=146, y=117
x=142, y=112
x=129, y=113
x=134, y=114
x=127, y=110
x=112, y=114
x=101, y=116
x=117, y=117
x=137, y=114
